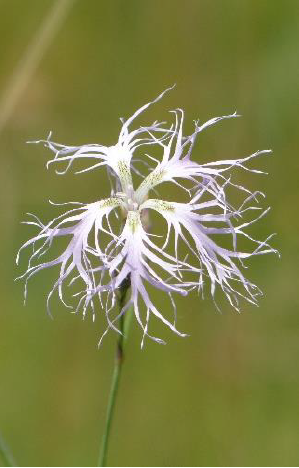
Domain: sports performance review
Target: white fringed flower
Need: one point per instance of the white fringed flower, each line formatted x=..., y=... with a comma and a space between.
x=101, y=257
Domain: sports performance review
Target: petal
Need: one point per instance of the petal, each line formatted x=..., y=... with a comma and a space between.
x=219, y=262
x=75, y=258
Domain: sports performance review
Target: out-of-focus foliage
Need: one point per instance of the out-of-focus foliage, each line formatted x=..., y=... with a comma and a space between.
x=228, y=394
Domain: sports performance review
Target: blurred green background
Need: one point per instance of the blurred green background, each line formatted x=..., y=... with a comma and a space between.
x=228, y=394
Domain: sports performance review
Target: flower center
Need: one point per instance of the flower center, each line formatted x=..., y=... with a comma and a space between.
x=128, y=198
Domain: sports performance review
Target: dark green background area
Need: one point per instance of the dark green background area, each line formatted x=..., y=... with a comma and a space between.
x=228, y=394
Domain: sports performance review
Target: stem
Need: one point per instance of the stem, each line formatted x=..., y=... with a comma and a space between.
x=5, y=454
x=111, y=401
x=119, y=359
x=25, y=69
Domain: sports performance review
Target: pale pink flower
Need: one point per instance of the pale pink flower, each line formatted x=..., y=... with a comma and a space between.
x=101, y=258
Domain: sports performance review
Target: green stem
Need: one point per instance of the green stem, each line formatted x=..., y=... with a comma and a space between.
x=123, y=326
x=5, y=454
x=30, y=60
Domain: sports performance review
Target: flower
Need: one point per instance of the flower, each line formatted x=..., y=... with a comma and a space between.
x=101, y=258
